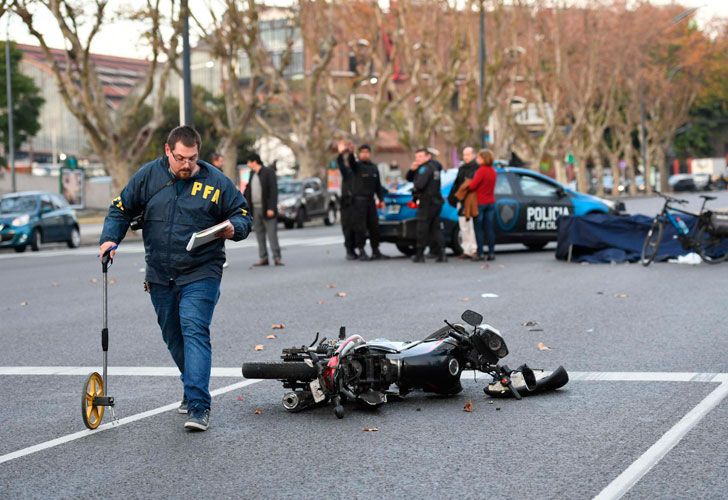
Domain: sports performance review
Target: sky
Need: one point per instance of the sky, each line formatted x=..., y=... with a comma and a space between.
x=122, y=38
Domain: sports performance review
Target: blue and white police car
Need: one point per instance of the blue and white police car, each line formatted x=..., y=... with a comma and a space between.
x=527, y=207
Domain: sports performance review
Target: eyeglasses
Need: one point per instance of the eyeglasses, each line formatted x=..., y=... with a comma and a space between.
x=182, y=159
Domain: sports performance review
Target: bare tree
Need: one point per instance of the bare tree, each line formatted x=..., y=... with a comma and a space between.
x=234, y=36
x=114, y=135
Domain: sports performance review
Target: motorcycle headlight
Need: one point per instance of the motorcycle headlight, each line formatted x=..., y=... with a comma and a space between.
x=21, y=220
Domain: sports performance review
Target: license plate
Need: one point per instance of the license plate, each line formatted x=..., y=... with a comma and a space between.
x=393, y=209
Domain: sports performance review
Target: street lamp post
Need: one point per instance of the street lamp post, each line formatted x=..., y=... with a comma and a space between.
x=481, y=59
x=9, y=87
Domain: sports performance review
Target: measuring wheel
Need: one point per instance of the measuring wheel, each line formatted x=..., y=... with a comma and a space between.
x=91, y=412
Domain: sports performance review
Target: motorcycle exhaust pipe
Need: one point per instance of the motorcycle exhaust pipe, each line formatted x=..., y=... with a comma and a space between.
x=527, y=383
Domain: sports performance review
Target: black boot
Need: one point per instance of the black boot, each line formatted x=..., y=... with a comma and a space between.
x=351, y=255
x=419, y=256
x=442, y=257
x=363, y=255
x=377, y=255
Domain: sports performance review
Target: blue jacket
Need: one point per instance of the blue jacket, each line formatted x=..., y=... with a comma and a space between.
x=173, y=210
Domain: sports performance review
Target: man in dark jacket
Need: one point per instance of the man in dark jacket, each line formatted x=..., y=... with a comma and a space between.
x=262, y=196
x=177, y=196
x=425, y=174
x=466, y=171
x=365, y=186
x=346, y=210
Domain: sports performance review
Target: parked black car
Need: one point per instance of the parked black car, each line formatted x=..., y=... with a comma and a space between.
x=34, y=218
x=305, y=200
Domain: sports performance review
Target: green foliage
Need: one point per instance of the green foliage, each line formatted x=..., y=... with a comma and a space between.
x=27, y=101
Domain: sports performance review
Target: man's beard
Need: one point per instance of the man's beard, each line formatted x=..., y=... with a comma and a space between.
x=184, y=173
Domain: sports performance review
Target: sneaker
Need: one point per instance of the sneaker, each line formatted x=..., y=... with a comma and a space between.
x=377, y=255
x=351, y=256
x=363, y=255
x=198, y=421
x=261, y=262
x=279, y=262
x=491, y=257
x=183, y=407
x=225, y=265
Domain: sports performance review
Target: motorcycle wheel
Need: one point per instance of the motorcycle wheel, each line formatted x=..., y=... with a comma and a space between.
x=281, y=370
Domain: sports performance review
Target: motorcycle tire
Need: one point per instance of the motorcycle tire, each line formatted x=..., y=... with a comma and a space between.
x=280, y=370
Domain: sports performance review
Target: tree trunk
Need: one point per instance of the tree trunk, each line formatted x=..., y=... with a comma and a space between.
x=582, y=175
x=616, y=173
x=559, y=170
x=307, y=164
x=662, y=169
x=630, y=173
x=229, y=151
x=119, y=170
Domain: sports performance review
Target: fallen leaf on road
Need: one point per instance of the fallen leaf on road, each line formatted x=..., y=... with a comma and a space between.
x=94, y=280
x=277, y=326
x=55, y=284
x=321, y=302
x=240, y=398
x=465, y=299
x=621, y=295
x=112, y=281
x=258, y=411
x=271, y=337
x=331, y=285
x=489, y=295
x=543, y=347
x=341, y=294
x=24, y=303
x=370, y=429
x=468, y=407
x=530, y=323
x=259, y=347
x=485, y=266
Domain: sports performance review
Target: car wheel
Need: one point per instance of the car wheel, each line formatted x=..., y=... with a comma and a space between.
x=536, y=245
x=75, y=239
x=456, y=242
x=36, y=240
x=330, y=218
x=408, y=250
x=300, y=217
x=20, y=249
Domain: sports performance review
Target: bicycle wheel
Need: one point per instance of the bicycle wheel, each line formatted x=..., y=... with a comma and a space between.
x=708, y=246
x=652, y=243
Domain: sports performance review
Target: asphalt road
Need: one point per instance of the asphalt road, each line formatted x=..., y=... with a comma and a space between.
x=639, y=327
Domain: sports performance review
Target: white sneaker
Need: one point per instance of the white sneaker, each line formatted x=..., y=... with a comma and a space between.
x=225, y=265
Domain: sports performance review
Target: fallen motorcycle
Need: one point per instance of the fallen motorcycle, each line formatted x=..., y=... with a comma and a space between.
x=352, y=369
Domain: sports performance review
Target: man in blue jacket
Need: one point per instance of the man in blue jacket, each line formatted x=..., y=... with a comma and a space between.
x=177, y=195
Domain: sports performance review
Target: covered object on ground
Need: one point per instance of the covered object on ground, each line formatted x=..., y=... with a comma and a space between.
x=598, y=238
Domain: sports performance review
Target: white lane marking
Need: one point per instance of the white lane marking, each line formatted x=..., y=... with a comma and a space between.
x=627, y=479
x=112, y=425
x=123, y=371
x=169, y=371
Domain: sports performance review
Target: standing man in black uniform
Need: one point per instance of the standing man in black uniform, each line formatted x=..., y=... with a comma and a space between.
x=425, y=174
x=347, y=198
x=365, y=186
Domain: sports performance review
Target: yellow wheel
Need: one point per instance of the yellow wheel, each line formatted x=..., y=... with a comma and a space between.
x=92, y=414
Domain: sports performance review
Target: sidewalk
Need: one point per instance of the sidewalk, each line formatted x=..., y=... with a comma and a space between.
x=91, y=231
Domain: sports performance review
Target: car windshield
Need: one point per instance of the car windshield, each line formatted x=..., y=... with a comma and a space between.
x=290, y=187
x=17, y=204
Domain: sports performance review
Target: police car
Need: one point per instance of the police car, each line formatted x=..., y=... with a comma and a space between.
x=527, y=207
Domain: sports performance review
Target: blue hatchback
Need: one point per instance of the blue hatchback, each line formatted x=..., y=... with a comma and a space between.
x=527, y=207
x=34, y=218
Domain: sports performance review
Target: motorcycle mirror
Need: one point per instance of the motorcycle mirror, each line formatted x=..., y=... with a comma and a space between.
x=472, y=318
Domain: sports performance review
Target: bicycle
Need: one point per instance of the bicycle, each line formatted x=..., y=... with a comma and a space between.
x=704, y=238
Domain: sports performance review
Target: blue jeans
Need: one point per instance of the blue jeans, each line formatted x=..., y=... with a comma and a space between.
x=184, y=313
x=485, y=227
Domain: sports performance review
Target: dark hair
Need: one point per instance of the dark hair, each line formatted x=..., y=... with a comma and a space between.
x=423, y=150
x=215, y=156
x=365, y=146
x=185, y=134
x=256, y=158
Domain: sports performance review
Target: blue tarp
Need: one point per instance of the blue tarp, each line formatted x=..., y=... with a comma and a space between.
x=614, y=238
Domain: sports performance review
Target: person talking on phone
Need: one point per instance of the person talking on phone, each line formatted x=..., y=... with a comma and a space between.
x=171, y=198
